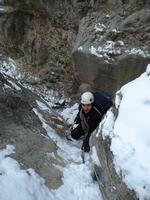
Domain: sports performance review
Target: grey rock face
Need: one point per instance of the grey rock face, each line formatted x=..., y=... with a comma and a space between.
x=23, y=129
x=111, y=186
x=33, y=42
x=39, y=35
x=112, y=47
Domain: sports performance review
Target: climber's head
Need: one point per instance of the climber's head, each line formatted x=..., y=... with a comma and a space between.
x=87, y=100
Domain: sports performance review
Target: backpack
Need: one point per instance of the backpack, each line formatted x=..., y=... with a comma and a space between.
x=102, y=102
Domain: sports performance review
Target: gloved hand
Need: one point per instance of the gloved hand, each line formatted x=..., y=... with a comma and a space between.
x=77, y=120
x=85, y=146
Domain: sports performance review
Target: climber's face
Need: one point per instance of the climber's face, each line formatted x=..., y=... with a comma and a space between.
x=87, y=107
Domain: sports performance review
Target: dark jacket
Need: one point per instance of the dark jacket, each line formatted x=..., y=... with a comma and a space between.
x=100, y=106
x=93, y=119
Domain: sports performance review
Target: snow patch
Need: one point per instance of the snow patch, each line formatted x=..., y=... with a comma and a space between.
x=94, y=156
x=75, y=172
x=115, y=30
x=18, y=184
x=42, y=106
x=138, y=51
x=69, y=114
x=107, y=124
x=78, y=184
x=14, y=86
x=118, y=99
x=148, y=70
x=51, y=97
x=99, y=27
x=107, y=50
x=80, y=48
x=131, y=139
x=9, y=67
x=95, y=52
x=108, y=16
x=110, y=49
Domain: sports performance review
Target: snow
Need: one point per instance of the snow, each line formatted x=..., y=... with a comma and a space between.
x=130, y=142
x=78, y=184
x=80, y=48
x=20, y=184
x=115, y=30
x=111, y=48
x=93, y=51
x=76, y=172
x=42, y=106
x=138, y=51
x=1, y=9
x=69, y=114
x=131, y=137
x=99, y=27
x=108, y=16
x=6, y=86
x=14, y=86
x=118, y=99
x=50, y=96
x=148, y=70
x=107, y=125
x=106, y=50
x=9, y=67
x=94, y=156
x=121, y=43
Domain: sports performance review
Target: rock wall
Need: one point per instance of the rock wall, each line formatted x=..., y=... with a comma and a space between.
x=112, y=46
x=112, y=186
x=110, y=182
x=39, y=36
x=21, y=127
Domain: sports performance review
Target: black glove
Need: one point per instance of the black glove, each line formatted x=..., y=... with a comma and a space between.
x=77, y=120
x=85, y=146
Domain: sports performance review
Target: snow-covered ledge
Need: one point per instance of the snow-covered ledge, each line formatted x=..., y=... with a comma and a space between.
x=123, y=142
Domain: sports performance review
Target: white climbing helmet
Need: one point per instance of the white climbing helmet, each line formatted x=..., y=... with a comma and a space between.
x=87, y=98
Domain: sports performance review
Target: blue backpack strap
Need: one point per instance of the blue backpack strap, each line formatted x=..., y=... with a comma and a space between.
x=102, y=102
x=101, y=114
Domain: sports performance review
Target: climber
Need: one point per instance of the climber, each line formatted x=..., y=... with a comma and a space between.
x=91, y=110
